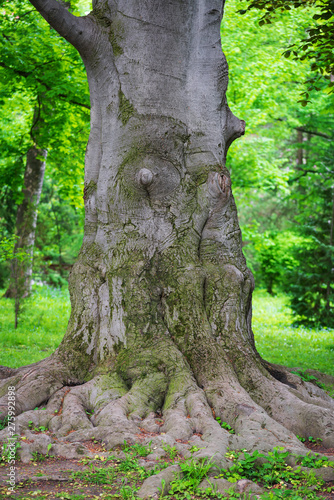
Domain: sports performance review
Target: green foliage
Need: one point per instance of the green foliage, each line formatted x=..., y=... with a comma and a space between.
x=226, y=426
x=59, y=236
x=44, y=102
x=96, y=475
x=170, y=450
x=40, y=71
x=316, y=46
x=305, y=376
x=137, y=449
x=314, y=461
x=270, y=469
x=9, y=449
x=4, y=422
x=282, y=169
x=128, y=464
x=194, y=471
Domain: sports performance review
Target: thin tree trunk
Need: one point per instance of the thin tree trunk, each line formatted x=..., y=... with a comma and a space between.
x=331, y=270
x=21, y=269
x=300, y=155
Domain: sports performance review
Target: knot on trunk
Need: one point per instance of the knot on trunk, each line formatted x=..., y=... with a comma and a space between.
x=145, y=177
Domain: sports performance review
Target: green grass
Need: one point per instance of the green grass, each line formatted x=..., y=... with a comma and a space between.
x=279, y=342
x=41, y=328
x=44, y=321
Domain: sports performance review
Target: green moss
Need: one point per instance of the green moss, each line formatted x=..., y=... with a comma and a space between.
x=102, y=14
x=90, y=188
x=126, y=109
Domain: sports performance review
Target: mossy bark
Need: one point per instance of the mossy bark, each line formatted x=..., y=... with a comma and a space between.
x=161, y=294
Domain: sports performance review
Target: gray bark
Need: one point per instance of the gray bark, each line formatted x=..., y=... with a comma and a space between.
x=26, y=219
x=161, y=294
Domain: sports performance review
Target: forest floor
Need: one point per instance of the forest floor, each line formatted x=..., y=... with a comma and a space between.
x=118, y=474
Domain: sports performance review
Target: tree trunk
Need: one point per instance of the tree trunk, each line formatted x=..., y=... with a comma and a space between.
x=161, y=294
x=21, y=268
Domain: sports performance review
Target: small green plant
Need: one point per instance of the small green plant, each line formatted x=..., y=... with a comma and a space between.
x=128, y=464
x=38, y=457
x=306, y=377
x=4, y=423
x=96, y=475
x=171, y=451
x=313, y=462
x=302, y=439
x=9, y=449
x=225, y=426
x=127, y=493
x=194, y=471
x=232, y=454
x=273, y=470
x=137, y=449
x=314, y=440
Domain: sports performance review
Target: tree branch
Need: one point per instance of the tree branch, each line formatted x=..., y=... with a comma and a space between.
x=312, y=132
x=71, y=27
x=26, y=74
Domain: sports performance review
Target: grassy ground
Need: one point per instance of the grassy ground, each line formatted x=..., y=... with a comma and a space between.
x=42, y=325
x=44, y=320
x=278, y=341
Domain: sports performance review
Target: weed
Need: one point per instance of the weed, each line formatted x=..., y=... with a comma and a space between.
x=127, y=493
x=272, y=471
x=38, y=457
x=128, y=464
x=225, y=426
x=137, y=449
x=306, y=377
x=314, y=440
x=194, y=471
x=313, y=462
x=171, y=451
x=4, y=423
x=9, y=449
x=232, y=454
x=41, y=428
x=96, y=475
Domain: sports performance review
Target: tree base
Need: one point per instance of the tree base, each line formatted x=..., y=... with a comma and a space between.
x=166, y=407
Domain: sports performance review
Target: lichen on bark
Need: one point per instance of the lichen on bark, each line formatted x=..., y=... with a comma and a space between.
x=161, y=294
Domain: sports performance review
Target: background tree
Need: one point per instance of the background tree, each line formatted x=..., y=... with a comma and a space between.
x=282, y=168
x=317, y=42
x=48, y=76
x=161, y=294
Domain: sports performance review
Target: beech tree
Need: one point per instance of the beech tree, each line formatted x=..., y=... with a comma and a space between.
x=160, y=293
x=47, y=75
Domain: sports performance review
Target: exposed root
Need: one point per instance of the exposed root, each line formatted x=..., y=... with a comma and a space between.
x=33, y=384
x=167, y=405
